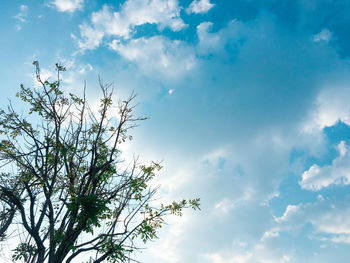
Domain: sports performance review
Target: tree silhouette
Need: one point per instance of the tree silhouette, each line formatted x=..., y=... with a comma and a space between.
x=63, y=181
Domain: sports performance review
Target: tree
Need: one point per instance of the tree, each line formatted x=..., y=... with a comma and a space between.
x=64, y=183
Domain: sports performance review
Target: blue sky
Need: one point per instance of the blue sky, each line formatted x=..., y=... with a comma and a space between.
x=249, y=109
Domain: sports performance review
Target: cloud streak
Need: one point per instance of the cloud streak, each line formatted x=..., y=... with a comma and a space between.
x=21, y=17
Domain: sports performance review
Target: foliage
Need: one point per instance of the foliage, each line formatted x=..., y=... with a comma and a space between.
x=64, y=182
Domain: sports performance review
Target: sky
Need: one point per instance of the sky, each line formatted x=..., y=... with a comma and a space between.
x=249, y=110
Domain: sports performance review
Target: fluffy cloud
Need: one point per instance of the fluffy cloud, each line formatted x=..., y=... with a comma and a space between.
x=199, y=6
x=214, y=42
x=324, y=35
x=207, y=41
x=318, y=177
x=332, y=103
x=133, y=13
x=68, y=5
x=330, y=221
x=171, y=58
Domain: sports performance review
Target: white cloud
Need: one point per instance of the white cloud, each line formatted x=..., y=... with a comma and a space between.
x=75, y=74
x=341, y=239
x=21, y=17
x=331, y=222
x=165, y=13
x=168, y=249
x=199, y=6
x=335, y=221
x=292, y=220
x=270, y=234
x=214, y=42
x=23, y=12
x=207, y=41
x=271, y=196
x=68, y=5
x=258, y=253
x=324, y=35
x=133, y=13
x=224, y=206
x=318, y=177
x=229, y=257
x=291, y=211
x=168, y=57
x=332, y=105
x=92, y=38
x=216, y=157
